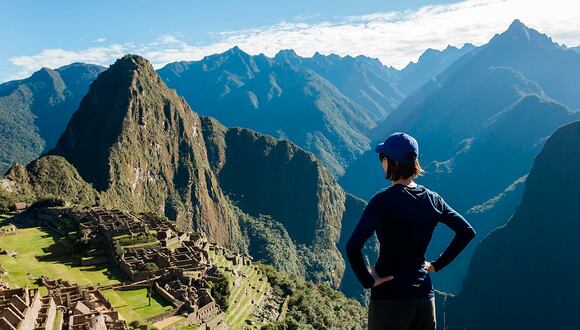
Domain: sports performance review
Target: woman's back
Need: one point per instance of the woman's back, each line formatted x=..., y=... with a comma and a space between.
x=404, y=217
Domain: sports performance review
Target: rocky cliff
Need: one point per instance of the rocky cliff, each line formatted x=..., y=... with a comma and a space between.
x=524, y=275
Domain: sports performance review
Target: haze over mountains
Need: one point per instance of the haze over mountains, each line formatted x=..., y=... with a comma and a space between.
x=342, y=97
x=325, y=104
x=481, y=115
x=34, y=111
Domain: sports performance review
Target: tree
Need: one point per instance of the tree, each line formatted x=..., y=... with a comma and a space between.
x=220, y=290
x=150, y=268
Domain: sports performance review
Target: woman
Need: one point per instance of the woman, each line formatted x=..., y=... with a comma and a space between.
x=403, y=217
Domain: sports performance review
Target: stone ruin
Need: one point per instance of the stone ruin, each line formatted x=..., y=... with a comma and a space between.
x=83, y=307
x=181, y=260
x=24, y=308
x=191, y=297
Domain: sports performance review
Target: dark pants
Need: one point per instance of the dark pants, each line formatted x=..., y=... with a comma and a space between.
x=407, y=314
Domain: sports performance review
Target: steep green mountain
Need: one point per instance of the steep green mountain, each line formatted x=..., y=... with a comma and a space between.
x=364, y=80
x=142, y=148
x=479, y=123
x=283, y=100
x=34, y=111
x=140, y=145
x=524, y=275
x=430, y=64
x=265, y=176
x=313, y=306
x=49, y=176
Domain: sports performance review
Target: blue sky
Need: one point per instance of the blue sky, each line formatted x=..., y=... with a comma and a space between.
x=55, y=33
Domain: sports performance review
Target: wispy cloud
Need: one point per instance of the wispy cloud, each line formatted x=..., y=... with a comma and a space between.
x=394, y=37
x=100, y=40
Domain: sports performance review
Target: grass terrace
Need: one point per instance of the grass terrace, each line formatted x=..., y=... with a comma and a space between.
x=24, y=268
x=133, y=305
x=248, y=291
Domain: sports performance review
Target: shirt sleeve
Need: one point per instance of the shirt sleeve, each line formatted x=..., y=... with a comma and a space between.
x=363, y=230
x=464, y=233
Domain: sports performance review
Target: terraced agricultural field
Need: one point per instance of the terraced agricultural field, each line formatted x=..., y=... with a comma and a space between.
x=247, y=289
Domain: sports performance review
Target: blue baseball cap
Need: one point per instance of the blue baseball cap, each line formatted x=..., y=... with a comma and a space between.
x=398, y=145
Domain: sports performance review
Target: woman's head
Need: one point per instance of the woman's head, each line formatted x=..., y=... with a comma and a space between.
x=399, y=155
x=395, y=170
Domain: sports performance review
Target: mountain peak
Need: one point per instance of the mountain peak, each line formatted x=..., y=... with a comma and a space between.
x=520, y=33
x=132, y=60
x=518, y=28
x=44, y=73
x=127, y=101
x=286, y=52
x=288, y=56
x=237, y=51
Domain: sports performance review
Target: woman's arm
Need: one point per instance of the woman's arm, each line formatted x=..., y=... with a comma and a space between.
x=464, y=233
x=363, y=230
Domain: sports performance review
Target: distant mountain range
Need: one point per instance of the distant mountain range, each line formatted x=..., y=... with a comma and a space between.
x=34, y=111
x=524, y=274
x=429, y=65
x=341, y=98
x=325, y=104
x=480, y=124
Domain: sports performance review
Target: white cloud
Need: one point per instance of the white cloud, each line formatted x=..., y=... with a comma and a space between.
x=99, y=40
x=394, y=37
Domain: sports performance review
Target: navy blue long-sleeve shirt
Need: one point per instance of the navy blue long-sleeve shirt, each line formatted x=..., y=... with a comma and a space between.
x=404, y=219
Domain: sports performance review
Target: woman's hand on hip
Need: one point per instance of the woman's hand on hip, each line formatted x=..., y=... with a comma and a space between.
x=429, y=267
x=378, y=279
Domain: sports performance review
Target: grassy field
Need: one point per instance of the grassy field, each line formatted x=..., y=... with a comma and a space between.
x=134, y=305
x=24, y=268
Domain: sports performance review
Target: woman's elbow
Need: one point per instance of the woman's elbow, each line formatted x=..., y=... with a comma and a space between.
x=352, y=246
x=470, y=234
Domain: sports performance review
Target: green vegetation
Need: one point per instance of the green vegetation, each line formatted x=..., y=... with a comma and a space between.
x=25, y=267
x=269, y=242
x=312, y=306
x=51, y=177
x=220, y=290
x=7, y=199
x=134, y=304
x=34, y=111
x=48, y=202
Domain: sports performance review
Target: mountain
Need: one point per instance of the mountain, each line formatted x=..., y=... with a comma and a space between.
x=139, y=144
x=34, y=111
x=523, y=275
x=49, y=176
x=363, y=79
x=287, y=101
x=479, y=123
x=430, y=64
x=134, y=144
